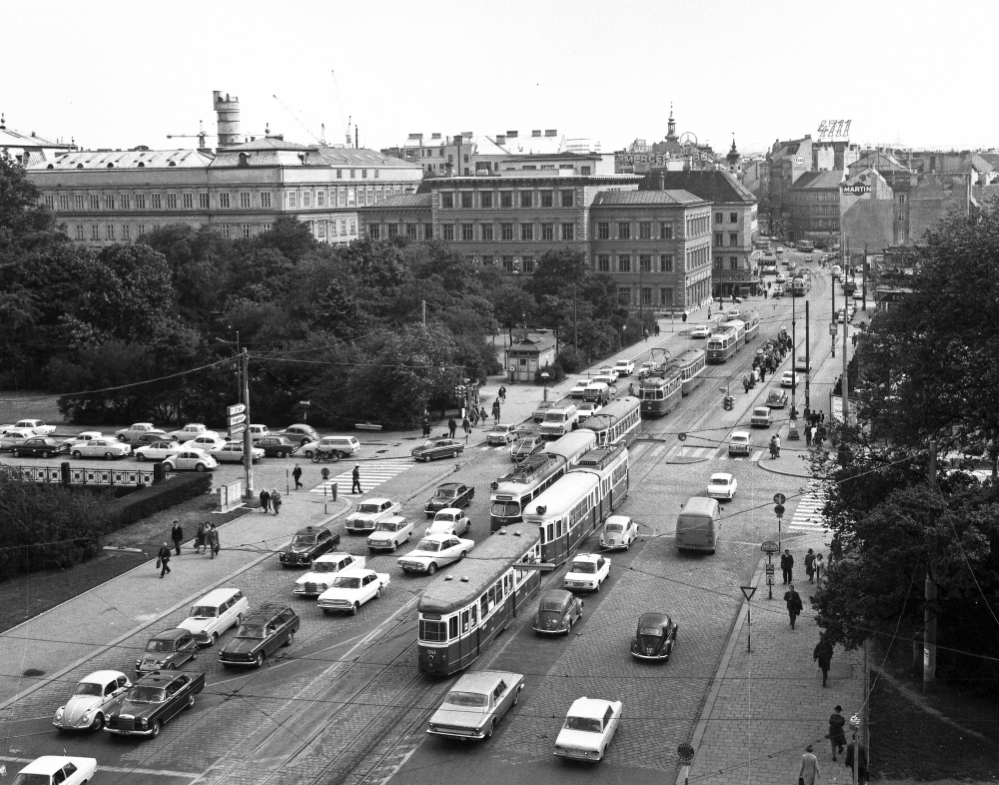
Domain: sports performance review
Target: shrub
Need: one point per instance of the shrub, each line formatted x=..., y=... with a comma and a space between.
x=155, y=498
x=555, y=374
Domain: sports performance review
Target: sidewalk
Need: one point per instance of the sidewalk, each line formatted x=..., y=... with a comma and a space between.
x=766, y=706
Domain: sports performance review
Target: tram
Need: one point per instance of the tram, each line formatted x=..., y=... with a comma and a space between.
x=617, y=422
x=800, y=285
x=574, y=445
x=458, y=619
x=752, y=322
x=723, y=344
x=691, y=364
x=661, y=391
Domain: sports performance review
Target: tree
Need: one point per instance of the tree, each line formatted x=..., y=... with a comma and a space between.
x=24, y=221
x=556, y=272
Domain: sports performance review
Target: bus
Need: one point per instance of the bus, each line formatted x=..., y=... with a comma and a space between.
x=573, y=446
x=752, y=322
x=722, y=344
x=806, y=246
x=690, y=363
x=576, y=505
x=661, y=391
x=800, y=285
x=617, y=422
x=459, y=619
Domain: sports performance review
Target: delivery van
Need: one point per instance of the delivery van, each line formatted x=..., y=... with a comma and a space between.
x=697, y=525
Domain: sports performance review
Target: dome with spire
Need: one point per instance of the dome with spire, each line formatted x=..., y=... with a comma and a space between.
x=733, y=154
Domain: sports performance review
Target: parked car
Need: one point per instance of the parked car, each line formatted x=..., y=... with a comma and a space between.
x=334, y=446
x=15, y=437
x=700, y=331
x=269, y=627
x=788, y=379
x=722, y=485
x=801, y=363
x=624, y=367
x=619, y=533
x=437, y=448
x=208, y=442
x=587, y=572
x=83, y=436
x=450, y=520
x=300, y=433
x=307, y=545
x=158, y=450
x=38, y=447
x=53, y=769
x=215, y=613
x=390, y=534
x=450, y=494
x=475, y=704
x=188, y=460
x=526, y=447
x=501, y=434
x=435, y=551
x=588, y=409
x=167, y=650
x=589, y=727
x=38, y=426
x=144, y=439
x=258, y=431
x=323, y=570
x=102, y=448
x=350, y=589
x=655, y=637
x=557, y=611
x=93, y=697
x=232, y=452
x=740, y=443
x=153, y=700
x=190, y=431
x=135, y=430
x=577, y=390
x=542, y=409
x=369, y=512
x=275, y=446
x=777, y=399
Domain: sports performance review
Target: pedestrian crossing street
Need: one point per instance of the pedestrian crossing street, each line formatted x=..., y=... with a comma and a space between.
x=808, y=514
x=373, y=474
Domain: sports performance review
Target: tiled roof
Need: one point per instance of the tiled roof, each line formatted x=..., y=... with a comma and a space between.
x=350, y=156
x=412, y=201
x=126, y=159
x=607, y=198
x=711, y=185
x=267, y=143
x=818, y=180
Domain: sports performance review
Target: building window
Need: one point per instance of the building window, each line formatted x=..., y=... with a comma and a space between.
x=506, y=231
x=624, y=263
x=718, y=218
x=124, y=200
x=126, y=234
x=603, y=263
x=547, y=199
x=339, y=174
x=719, y=239
x=733, y=218
x=320, y=199
x=733, y=262
x=467, y=232
x=447, y=201
x=364, y=174
x=645, y=262
x=486, y=198
x=95, y=232
x=171, y=201
x=547, y=231
x=428, y=231
x=157, y=200
x=584, y=170
x=733, y=238
x=244, y=200
x=623, y=230
x=109, y=231
x=79, y=232
x=528, y=264
x=645, y=230
x=141, y=230
x=411, y=231
x=244, y=231
x=393, y=229
x=487, y=232
x=79, y=202
x=265, y=199
x=603, y=230
x=527, y=231
x=322, y=228
x=376, y=171
x=226, y=231
x=188, y=201
x=646, y=295
x=567, y=199
x=353, y=174
x=488, y=260
x=447, y=232
x=108, y=203
x=508, y=264
x=623, y=295
x=374, y=231
x=95, y=203
x=568, y=231
x=307, y=199
x=526, y=199
x=665, y=296
x=224, y=200
x=466, y=200
x=506, y=198
x=665, y=262
x=203, y=201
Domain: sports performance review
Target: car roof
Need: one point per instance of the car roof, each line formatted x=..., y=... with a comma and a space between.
x=177, y=632
x=594, y=708
x=484, y=681
x=740, y=434
x=726, y=476
x=653, y=620
x=618, y=519
x=375, y=500
x=553, y=595
x=332, y=556
x=311, y=529
x=265, y=612
x=444, y=485
x=438, y=536
x=161, y=678
x=450, y=510
x=101, y=676
x=50, y=764
x=586, y=557
x=216, y=596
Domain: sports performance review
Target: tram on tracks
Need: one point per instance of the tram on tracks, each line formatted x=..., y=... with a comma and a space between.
x=576, y=505
x=724, y=343
x=800, y=285
x=458, y=619
x=691, y=364
x=618, y=421
x=531, y=477
x=752, y=322
x=661, y=391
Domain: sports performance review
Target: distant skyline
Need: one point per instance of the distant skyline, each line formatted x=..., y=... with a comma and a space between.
x=116, y=74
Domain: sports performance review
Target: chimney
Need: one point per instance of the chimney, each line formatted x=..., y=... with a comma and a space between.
x=535, y=134
x=500, y=138
x=511, y=134
x=551, y=132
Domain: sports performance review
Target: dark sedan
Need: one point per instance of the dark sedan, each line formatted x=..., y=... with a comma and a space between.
x=527, y=447
x=153, y=700
x=309, y=544
x=276, y=446
x=450, y=494
x=437, y=448
x=655, y=638
x=557, y=612
x=38, y=447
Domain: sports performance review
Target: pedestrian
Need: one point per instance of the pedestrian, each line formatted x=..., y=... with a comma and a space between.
x=745, y=384
x=823, y=656
x=835, y=550
x=265, y=500
x=646, y=331
x=794, y=605
x=763, y=373
x=822, y=416
x=809, y=771
x=483, y=416
x=862, y=776
x=657, y=325
x=177, y=535
x=819, y=565
x=808, y=437
x=452, y=426
x=709, y=312
x=502, y=394
x=355, y=476
x=275, y=500
x=426, y=427
x=473, y=416
x=787, y=566
x=163, y=560
x=837, y=731
x=631, y=388
x=199, y=538
x=213, y=539
x=297, y=474
x=466, y=426
x=810, y=564
x=496, y=412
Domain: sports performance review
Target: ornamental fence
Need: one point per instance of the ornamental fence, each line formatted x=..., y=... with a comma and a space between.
x=73, y=475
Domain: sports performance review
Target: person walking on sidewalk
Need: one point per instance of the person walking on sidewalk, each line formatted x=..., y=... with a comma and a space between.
x=163, y=560
x=819, y=565
x=177, y=535
x=793, y=601
x=199, y=538
x=483, y=417
x=213, y=541
x=787, y=566
x=835, y=549
x=355, y=476
x=496, y=412
x=265, y=500
x=296, y=473
x=426, y=426
x=466, y=426
x=275, y=500
x=452, y=426
x=502, y=394
x=823, y=656
x=810, y=564
x=837, y=731
x=809, y=771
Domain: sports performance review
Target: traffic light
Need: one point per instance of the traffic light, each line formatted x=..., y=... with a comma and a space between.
x=728, y=403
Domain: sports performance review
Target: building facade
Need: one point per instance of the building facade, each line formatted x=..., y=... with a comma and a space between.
x=812, y=207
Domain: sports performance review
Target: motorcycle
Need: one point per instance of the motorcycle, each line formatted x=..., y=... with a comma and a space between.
x=325, y=456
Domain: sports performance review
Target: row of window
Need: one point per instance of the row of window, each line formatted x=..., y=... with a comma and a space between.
x=698, y=225
x=526, y=233
x=733, y=262
x=698, y=257
x=733, y=218
x=645, y=263
x=344, y=227
x=466, y=200
x=733, y=239
x=628, y=296
x=624, y=230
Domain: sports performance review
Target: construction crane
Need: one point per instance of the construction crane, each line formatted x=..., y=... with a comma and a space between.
x=200, y=136
x=339, y=106
x=297, y=119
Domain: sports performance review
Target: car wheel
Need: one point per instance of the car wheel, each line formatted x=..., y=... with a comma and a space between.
x=16, y=452
x=121, y=437
x=492, y=728
x=140, y=457
x=335, y=457
x=215, y=639
x=568, y=625
x=282, y=454
x=172, y=666
x=597, y=590
x=108, y=456
x=291, y=638
x=395, y=545
x=258, y=660
x=326, y=611
x=461, y=556
x=157, y=726
x=354, y=609
x=454, y=454
x=516, y=696
x=431, y=569
x=378, y=592
x=190, y=701
x=200, y=468
x=98, y=722
x=46, y=454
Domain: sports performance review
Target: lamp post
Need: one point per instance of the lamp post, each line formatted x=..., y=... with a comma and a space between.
x=544, y=379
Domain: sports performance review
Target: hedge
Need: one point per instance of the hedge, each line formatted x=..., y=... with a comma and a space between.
x=156, y=498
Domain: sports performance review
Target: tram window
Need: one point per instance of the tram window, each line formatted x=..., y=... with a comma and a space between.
x=432, y=631
x=475, y=614
x=551, y=532
x=558, y=528
x=485, y=605
x=452, y=627
x=506, y=583
x=464, y=621
x=499, y=591
x=492, y=596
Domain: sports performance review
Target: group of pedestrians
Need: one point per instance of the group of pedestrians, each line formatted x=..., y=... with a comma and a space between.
x=856, y=753
x=205, y=541
x=270, y=500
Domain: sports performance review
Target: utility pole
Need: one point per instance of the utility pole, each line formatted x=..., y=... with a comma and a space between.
x=247, y=437
x=808, y=364
x=832, y=286
x=930, y=608
x=846, y=366
x=575, y=323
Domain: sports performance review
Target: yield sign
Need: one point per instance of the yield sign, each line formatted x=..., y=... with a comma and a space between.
x=748, y=591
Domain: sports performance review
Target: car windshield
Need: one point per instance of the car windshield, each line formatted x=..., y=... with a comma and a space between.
x=504, y=509
x=254, y=631
x=657, y=631
x=614, y=527
x=89, y=688
x=32, y=779
x=553, y=417
x=159, y=645
x=447, y=493
x=305, y=539
x=347, y=582
x=428, y=545
x=367, y=508
x=324, y=566
x=583, y=566
x=456, y=698
x=386, y=526
x=583, y=723
x=551, y=605
x=203, y=610
x=143, y=694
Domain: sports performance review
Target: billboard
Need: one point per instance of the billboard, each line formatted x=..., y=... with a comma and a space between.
x=834, y=130
x=857, y=189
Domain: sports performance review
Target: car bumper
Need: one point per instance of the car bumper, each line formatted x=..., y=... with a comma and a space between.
x=457, y=733
x=579, y=586
x=133, y=732
x=412, y=567
x=650, y=657
x=564, y=752
x=382, y=546
x=550, y=630
x=716, y=495
x=81, y=725
x=239, y=663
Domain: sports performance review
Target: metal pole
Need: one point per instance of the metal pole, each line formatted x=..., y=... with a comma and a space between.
x=832, y=285
x=808, y=363
x=846, y=355
x=749, y=626
x=930, y=608
x=247, y=439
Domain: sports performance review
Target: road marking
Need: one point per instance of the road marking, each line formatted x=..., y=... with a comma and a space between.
x=808, y=514
x=372, y=475
x=120, y=769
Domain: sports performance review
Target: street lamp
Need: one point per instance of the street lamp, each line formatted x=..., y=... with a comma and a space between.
x=544, y=379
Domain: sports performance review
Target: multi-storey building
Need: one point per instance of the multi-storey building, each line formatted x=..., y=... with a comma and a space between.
x=812, y=207
x=30, y=148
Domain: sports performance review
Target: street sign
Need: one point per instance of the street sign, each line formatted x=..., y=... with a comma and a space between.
x=769, y=547
x=748, y=591
x=239, y=408
x=236, y=430
x=832, y=328
x=236, y=419
x=779, y=509
x=779, y=498
x=682, y=437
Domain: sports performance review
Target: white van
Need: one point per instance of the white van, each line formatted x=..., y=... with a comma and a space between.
x=697, y=525
x=215, y=613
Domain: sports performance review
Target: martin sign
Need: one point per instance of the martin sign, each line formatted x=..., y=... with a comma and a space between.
x=856, y=190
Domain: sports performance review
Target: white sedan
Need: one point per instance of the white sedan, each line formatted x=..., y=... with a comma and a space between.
x=579, y=388
x=105, y=447
x=57, y=770
x=15, y=437
x=435, y=551
x=190, y=431
x=188, y=460
x=93, y=699
x=82, y=438
x=587, y=572
x=700, y=331
x=588, y=729
x=38, y=426
x=232, y=452
x=722, y=486
x=619, y=533
x=157, y=451
x=390, y=534
x=207, y=441
x=450, y=520
x=624, y=367
x=502, y=434
x=788, y=379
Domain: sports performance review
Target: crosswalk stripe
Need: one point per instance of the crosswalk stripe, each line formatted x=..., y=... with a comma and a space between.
x=808, y=514
x=372, y=475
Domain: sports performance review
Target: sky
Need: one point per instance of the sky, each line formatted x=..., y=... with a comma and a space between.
x=117, y=74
